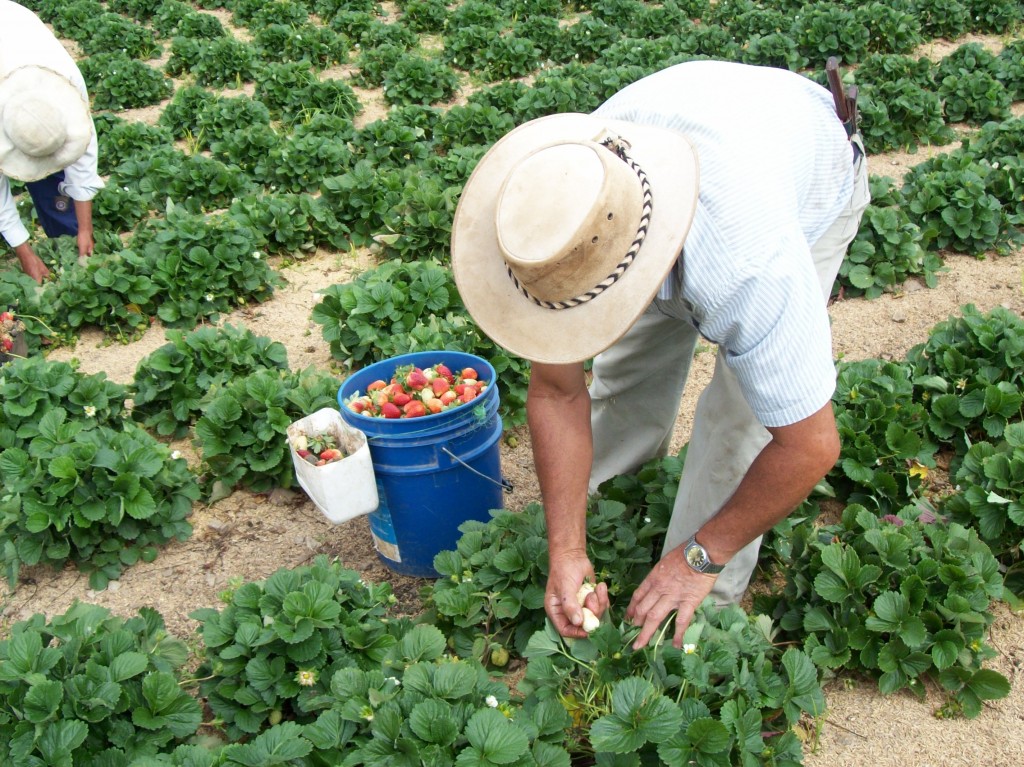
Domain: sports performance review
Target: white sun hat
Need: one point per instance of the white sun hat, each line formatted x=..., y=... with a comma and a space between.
x=45, y=124
x=566, y=229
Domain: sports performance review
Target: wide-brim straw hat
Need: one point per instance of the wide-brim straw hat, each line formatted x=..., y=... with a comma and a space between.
x=45, y=124
x=566, y=230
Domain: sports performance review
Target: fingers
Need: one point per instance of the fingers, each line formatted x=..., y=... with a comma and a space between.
x=565, y=615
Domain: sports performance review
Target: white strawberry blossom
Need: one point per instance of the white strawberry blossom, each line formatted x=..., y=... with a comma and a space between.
x=90, y=411
x=491, y=701
x=689, y=649
x=175, y=455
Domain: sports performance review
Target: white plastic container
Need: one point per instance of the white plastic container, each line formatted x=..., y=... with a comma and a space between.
x=343, y=489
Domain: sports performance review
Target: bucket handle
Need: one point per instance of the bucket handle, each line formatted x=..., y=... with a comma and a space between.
x=504, y=484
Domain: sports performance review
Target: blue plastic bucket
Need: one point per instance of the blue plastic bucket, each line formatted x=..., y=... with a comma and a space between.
x=433, y=472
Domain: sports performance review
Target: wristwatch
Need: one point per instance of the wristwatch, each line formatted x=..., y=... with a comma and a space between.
x=697, y=557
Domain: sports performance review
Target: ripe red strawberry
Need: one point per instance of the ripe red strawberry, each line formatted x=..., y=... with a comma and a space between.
x=415, y=409
x=302, y=453
x=469, y=373
x=440, y=386
x=8, y=344
x=6, y=316
x=444, y=372
x=401, y=399
x=390, y=410
x=416, y=380
x=435, y=406
x=378, y=384
x=448, y=397
x=331, y=454
x=468, y=395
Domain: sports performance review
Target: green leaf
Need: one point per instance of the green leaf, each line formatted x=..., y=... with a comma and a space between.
x=639, y=715
x=169, y=707
x=128, y=664
x=59, y=740
x=989, y=685
x=433, y=721
x=495, y=738
x=42, y=700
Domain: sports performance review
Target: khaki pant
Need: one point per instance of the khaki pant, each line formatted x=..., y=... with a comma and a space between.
x=635, y=395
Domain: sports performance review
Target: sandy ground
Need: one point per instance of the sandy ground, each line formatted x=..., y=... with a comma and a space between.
x=248, y=536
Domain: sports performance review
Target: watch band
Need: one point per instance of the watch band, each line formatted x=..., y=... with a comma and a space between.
x=697, y=557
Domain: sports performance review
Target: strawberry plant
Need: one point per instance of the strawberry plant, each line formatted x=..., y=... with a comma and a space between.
x=141, y=10
x=242, y=431
x=775, y=49
x=419, y=227
x=974, y=97
x=87, y=687
x=98, y=496
x=731, y=695
x=989, y=499
x=901, y=114
x=194, y=181
x=293, y=224
x=373, y=64
x=118, y=209
x=300, y=161
x=201, y=117
x=320, y=46
x=880, y=69
x=203, y=266
x=1011, y=69
x=489, y=599
x=113, y=32
x=388, y=144
x=413, y=79
x=509, y=56
x=893, y=29
x=942, y=18
x=971, y=365
x=473, y=123
x=362, y=197
x=900, y=598
x=224, y=62
x=117, y=82
x=259, y=16
x=121, y=140
x=995, y=16
x=425, y=16
x=362, y=319
x=948, y=197
x=111, y=291
x=885, y=253
x=885, y=450
x=245, y=147
x=292, y=91
x=172, y=19
x=821, y=30
x=271, y=652
x=171, y=382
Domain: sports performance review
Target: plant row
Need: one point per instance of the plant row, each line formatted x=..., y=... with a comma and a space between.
x=85, y=477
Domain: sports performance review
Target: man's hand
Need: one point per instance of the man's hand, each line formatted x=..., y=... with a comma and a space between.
x=31, y=264
x=83, y=214
x=567, y=574
x=671, y=585
x=85, y=244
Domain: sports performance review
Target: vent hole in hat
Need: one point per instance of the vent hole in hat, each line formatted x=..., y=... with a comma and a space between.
x=611, y=216
x=594, y=239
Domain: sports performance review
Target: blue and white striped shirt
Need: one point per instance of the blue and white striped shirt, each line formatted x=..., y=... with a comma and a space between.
x=775, y=172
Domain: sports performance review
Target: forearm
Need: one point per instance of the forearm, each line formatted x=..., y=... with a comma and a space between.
x=558, y=412
x=83, y=213
x=779, y=479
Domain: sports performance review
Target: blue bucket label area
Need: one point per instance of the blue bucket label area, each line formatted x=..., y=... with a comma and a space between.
x=383, y=529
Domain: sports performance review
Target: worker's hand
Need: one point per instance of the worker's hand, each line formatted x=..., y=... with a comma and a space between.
x=85, y=244
x=31, y=264
x=671, y=585
x=567, y=573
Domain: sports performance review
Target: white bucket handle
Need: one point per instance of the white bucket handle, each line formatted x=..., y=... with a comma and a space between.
x=504, y=484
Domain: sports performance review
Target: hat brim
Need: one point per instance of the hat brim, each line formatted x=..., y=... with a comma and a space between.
x=73, y=108
x=559, y=336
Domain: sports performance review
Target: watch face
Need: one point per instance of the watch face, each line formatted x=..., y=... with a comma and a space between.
x=695, y=556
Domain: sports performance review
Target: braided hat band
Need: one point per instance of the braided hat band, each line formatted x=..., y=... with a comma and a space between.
x=619, y=146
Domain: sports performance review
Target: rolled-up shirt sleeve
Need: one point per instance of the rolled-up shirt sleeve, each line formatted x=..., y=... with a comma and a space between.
x=81, y=179
x=11, y=227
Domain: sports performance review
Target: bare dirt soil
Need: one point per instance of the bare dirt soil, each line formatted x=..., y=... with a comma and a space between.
x=248, y=536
